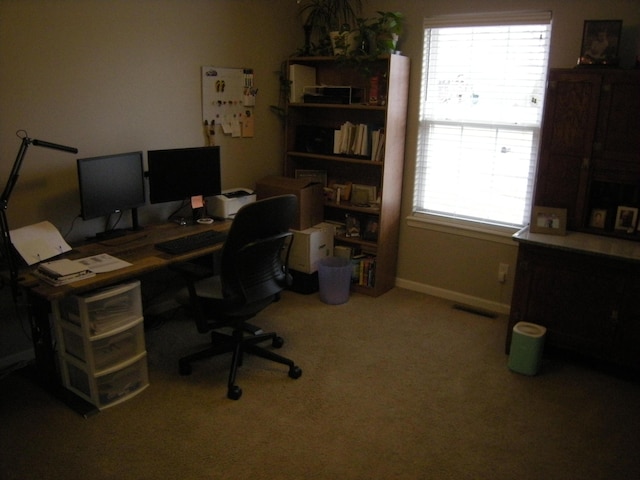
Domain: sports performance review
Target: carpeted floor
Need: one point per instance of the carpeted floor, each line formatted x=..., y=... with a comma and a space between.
x=397, y=387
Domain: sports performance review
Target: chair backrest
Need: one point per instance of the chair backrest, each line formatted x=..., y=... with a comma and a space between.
x=251, y=265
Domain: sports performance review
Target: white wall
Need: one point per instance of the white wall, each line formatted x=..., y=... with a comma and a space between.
x=117, y=76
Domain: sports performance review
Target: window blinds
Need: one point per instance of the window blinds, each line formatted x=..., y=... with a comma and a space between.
x=481, y=108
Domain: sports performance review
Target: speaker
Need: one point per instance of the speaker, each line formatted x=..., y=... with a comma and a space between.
x=314, y=139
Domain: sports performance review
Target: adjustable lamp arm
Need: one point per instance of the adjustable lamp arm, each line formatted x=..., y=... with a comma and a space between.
x=4, y=200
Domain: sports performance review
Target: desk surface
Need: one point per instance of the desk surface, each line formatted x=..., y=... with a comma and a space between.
x=136, y=248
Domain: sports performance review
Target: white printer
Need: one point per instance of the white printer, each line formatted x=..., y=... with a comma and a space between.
x=227, y=204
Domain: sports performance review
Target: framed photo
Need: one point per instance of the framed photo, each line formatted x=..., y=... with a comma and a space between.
x=548, y=220
x=363, y=195
x=598, y=217
x=317, y=176
x=626, y=218
x=600, y=42
x=371, y=229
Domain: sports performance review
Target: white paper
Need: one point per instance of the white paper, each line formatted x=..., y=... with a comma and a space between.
x=38, y=242
x=103, y=263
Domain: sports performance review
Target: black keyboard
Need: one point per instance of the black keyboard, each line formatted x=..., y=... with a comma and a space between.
x=192, y=242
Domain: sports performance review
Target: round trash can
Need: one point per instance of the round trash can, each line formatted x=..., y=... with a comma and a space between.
x=334, y=279
x=526, y=348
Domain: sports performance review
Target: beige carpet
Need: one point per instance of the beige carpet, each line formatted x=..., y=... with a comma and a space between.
x=398, y=387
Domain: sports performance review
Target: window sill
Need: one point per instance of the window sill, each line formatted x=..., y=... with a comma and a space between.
x=480, y=231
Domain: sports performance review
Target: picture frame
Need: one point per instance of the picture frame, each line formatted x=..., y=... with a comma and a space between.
x=370, y=232
x=598, y=218
x=626, y=218
x=600, y=42
x=317, y=176
x=363, y=195
x=552, y=221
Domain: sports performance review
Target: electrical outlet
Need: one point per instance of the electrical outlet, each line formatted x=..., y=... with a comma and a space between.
x=503, y=270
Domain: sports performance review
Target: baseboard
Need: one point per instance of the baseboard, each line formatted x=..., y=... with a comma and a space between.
x=457, y=297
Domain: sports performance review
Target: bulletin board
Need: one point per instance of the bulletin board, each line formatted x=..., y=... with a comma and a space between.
x=228, y=98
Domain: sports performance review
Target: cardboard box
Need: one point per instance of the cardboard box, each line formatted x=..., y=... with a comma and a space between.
x=230, y=201
x=310, y=197
x=309, y=246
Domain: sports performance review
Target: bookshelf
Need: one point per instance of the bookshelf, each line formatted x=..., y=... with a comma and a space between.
x=311, y=123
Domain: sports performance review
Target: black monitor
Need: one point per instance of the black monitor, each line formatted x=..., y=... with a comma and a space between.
x=182, y=173
x=111, y=184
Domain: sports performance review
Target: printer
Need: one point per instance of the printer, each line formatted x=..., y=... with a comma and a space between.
x=227, y=204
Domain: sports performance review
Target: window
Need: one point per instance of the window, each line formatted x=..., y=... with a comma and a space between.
x=483, y=84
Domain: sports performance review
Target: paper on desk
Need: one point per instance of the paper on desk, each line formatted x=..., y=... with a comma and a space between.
x=38, y=242
x=103, y=263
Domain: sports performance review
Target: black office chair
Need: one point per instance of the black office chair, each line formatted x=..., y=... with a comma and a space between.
x=252, y=276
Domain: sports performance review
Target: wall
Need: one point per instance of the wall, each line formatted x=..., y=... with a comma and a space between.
x=459, y=265
x=117, y=76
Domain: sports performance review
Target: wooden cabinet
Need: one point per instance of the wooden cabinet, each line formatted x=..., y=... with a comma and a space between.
x=310, y=127
x=584, y=287
x=590, y=147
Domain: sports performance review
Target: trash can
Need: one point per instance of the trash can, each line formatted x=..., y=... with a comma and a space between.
x=334, y=278
x=526, y=348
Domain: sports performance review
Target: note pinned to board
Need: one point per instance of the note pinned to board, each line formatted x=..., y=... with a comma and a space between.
x=197, y=201
x=38, y=242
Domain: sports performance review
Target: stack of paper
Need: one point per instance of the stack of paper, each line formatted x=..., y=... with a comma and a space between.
x=61, y=272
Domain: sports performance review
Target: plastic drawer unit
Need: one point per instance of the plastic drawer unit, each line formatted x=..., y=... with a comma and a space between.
x=101, y=342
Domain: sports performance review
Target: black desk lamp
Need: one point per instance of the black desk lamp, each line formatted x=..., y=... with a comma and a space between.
x=4, y=200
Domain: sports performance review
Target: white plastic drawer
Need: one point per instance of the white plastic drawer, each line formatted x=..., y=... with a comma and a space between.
x=107, y=351
x=104, y=310
x=111, y=388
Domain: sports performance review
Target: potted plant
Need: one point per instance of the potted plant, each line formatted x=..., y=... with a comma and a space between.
x=321, y=17
x=388, y=27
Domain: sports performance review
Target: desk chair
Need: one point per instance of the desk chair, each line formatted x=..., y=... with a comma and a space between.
x=252, y=275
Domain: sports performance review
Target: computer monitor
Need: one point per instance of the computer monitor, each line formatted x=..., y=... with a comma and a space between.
x=182, y=173
x=111, y=184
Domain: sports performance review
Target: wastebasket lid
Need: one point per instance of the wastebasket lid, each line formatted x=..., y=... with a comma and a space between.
x=529, y=329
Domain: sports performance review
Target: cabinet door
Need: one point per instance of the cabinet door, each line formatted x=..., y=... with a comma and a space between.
x=626, y=347
x=616, y=150
x=571, y=108
x=574, y=298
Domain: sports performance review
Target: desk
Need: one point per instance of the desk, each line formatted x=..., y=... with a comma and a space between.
x=136, y=248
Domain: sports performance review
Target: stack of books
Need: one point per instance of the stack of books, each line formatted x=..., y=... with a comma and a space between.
x=359, y=140
x=61, y=272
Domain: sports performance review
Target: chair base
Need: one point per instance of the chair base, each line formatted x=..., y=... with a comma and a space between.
x=239, y=343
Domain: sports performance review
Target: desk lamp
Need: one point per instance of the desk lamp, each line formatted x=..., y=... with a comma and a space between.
x=4, y=200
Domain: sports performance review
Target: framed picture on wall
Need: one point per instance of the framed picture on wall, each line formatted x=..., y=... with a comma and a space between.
x=548, y=220
x=600, y=42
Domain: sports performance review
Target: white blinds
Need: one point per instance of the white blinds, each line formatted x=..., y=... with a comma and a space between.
x=481, y=109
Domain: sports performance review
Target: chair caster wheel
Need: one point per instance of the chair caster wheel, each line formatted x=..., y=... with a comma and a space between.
x=277, y=342
x=295, y=372
x=185, y=368
x=234, y=393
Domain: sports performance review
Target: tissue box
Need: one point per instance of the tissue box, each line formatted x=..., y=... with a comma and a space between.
x=227, y=204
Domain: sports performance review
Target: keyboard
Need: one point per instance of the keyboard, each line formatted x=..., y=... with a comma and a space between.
x=192, y=242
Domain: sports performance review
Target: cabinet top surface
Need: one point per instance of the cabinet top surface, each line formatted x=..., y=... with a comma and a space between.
x=583, y=243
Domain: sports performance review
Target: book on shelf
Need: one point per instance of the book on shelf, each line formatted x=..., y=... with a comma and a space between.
x=360, y=139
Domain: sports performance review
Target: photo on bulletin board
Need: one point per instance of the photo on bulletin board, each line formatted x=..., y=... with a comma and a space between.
x=552, y=221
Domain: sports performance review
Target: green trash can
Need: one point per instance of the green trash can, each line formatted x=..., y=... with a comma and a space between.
x=527, y=343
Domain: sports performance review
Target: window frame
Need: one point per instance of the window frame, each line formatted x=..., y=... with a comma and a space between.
x=456, y=224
